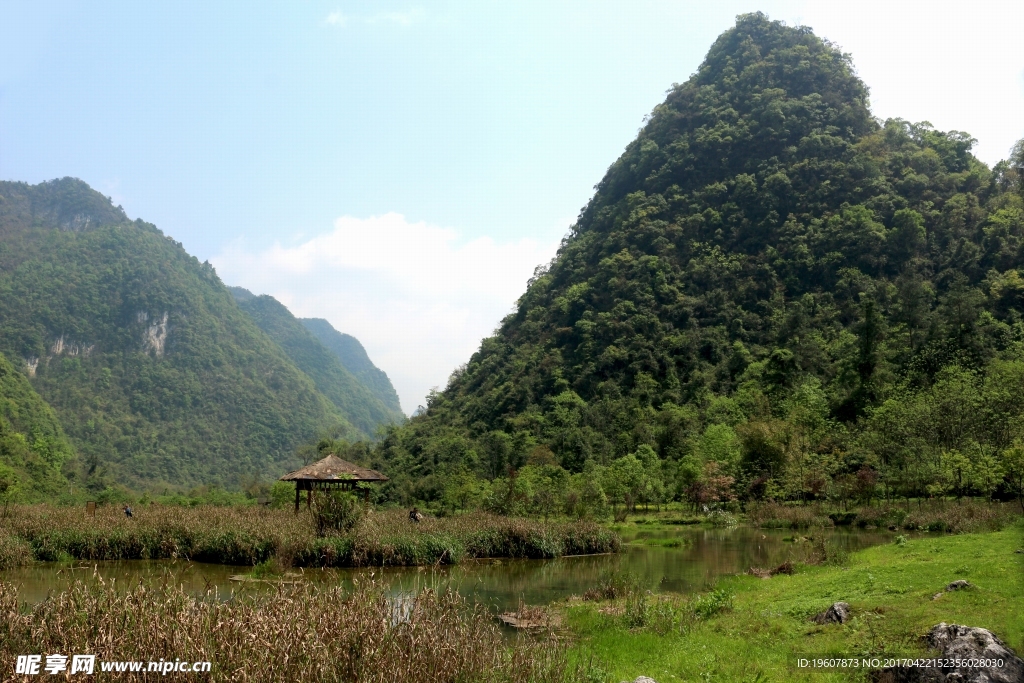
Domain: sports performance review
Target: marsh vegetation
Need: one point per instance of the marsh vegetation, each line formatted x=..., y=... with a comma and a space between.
x=295, y=633
x=252, y=535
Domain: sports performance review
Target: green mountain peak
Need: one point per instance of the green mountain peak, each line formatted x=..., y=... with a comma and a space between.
x=764, y=256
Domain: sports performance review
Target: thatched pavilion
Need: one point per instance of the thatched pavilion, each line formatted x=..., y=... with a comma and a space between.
x=330, y=473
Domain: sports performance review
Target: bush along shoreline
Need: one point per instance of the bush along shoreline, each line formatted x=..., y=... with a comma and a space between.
x=964, y=516
x=249, y=536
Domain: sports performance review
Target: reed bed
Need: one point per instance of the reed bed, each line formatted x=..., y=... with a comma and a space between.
x=252, y=535
x=299, y=633
x=959, y=518
x=779, y=516
x=14, y=551
x=963, y=516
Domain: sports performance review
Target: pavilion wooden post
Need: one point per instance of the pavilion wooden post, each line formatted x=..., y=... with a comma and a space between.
x=296, y=497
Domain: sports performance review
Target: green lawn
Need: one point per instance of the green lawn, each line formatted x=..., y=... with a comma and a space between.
x=889, y=589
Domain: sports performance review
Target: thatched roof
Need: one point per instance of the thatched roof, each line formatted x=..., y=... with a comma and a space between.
x=333, y=468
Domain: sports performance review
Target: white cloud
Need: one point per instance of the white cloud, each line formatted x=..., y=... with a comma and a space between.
x=417, y=296
x=336, y=18
x=404, y=19
x=921, y=61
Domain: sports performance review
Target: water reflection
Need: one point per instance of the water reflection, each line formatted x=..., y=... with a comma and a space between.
x=704, y=555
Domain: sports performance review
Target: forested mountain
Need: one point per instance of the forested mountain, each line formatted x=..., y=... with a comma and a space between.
x=357, y=402
x=771, y=294
x=155, y=374
x=33, y=447
x=353, y=356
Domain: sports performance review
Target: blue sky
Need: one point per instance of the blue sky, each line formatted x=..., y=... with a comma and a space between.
x=401, y=168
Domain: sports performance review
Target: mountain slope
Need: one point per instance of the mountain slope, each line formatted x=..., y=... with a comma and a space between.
x=357, y=402
x=765, y=259
x=33, y=447
x=152, y=369
x=355, y=359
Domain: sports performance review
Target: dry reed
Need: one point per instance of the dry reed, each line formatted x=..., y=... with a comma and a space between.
x=298, y=633
x=772, y=515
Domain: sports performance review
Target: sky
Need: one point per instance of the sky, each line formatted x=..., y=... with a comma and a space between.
x=401, y=169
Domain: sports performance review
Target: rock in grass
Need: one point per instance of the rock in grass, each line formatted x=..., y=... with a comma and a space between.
x=960, y=642
x=960, y=584
x=642, y=679
x=784, y=568
x=838, y=613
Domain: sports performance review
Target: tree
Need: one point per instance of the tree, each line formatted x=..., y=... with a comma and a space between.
x=1012, y=462
x=1017, y=165
x=710, y=487
x=625, y=479
x=720, y=444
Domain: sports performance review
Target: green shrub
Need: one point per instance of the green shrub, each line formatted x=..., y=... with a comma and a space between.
x=708, y=605
x=335, y=512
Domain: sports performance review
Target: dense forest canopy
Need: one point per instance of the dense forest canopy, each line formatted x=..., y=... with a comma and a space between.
x=771, y=294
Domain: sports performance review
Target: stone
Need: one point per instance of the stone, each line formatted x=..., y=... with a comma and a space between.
x=960, y=584
x=642, y=679
x=784, y=568
x=838, y=613
x=960, y=642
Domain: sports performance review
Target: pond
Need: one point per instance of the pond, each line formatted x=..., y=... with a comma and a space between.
x=682, y=560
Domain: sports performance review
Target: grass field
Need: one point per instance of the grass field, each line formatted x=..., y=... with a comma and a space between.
x=750, y=629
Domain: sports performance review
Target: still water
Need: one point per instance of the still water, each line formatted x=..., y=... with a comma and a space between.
x=700, y=555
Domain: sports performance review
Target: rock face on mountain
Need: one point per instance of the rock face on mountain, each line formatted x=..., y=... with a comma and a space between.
x=155, y=374
x=355, y=359
x=358, y=402
x=760, y=270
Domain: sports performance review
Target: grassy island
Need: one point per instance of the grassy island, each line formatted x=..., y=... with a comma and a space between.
x=252, y=535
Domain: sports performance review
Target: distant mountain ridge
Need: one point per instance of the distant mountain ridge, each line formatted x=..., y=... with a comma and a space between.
x=360, y=403
x=353, y=356
x=156, y=375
